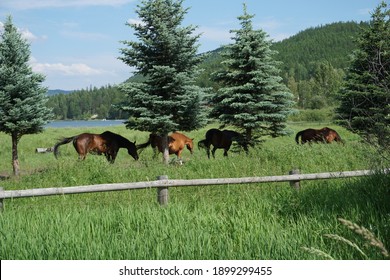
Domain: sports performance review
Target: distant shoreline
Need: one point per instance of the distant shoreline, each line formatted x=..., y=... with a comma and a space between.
x=84, y=123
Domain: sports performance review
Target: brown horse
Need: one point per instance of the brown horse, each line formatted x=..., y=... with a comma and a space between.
x=221, y=139
x=107, y=143
x=179, y=142
x=176, y=143
x=323, y=135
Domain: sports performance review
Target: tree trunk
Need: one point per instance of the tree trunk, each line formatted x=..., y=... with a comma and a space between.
x=248, y=135
x=164, y=144
x=15, y=158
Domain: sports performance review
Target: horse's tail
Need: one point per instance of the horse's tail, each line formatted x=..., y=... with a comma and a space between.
x=297, y=136
x=202, y=144
x=143, y=146
x=62, y=142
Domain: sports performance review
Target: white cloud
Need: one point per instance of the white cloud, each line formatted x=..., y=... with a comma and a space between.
x=31, y=37
x=74, y=69
x=72, y=73
x=38, y=4
x=26, y=34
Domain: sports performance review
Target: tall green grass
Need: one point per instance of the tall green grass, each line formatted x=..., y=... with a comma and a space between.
x=254, y=221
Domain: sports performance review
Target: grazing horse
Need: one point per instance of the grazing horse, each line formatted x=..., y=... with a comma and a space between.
x=323, y=135
x=176, y=143
x=107, y=143
x=221, y=139
x=179, y=142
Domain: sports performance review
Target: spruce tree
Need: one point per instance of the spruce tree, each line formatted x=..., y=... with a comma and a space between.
x=365, y=97
x=22, y=98
x=165, y=55
x=252, y=96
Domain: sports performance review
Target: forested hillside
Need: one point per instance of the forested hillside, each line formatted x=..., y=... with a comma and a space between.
x=313, y=63
x=89, y=103
x=332, y=43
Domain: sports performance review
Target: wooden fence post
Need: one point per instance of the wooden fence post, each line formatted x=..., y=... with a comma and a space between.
x=162, y=192
x=1, y=200
x=295, y=184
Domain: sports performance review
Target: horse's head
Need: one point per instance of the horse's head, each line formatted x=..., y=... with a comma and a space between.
x=239, y=138
x=244, y=144
x=132, y=150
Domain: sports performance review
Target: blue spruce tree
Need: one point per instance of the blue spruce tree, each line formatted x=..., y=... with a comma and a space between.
x=165, y=55
x=22, y=98
x=252, y=96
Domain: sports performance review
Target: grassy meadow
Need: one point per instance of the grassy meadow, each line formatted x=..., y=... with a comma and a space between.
x=254, y=221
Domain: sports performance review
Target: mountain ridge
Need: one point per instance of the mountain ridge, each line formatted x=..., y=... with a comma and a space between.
x=331, y=42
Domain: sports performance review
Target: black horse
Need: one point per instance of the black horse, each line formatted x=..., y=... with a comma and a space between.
x=222, y=139
x=107, y=143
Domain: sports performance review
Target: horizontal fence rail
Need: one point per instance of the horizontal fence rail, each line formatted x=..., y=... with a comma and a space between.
x=162, y=184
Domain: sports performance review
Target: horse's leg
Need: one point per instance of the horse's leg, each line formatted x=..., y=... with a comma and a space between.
x=82, y=153
x=113, y=155
x=207, y=146
x=225, y=154
x=213, y=151
x=178, y=154
x=80, y=149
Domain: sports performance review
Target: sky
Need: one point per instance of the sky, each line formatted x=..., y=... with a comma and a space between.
x=76, y=43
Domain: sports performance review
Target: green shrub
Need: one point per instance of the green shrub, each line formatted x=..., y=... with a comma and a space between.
x=313, y=115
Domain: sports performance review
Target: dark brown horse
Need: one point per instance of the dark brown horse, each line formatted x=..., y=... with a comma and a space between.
x=222, y=139
x=323, y=135
x=107, y=143
x=176, y=143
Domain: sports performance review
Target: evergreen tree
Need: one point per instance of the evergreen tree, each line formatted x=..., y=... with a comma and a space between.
x=252, y=97
x=365, y=97
x=22, y=98
x=168, y=99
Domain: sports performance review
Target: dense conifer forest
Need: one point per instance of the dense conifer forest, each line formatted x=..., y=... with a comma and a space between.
x=312, y=66
x=102, y=103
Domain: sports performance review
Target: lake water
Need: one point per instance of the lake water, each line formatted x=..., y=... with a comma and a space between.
x=91, y=123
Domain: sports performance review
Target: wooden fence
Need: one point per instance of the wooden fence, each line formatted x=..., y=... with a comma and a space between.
x=163, y=183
